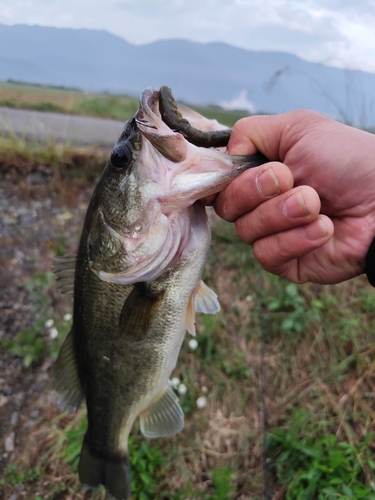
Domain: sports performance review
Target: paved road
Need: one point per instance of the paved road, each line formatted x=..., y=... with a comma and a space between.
x=67, y=128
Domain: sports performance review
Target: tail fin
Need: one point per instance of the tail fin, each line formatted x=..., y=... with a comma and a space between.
x=113, y=473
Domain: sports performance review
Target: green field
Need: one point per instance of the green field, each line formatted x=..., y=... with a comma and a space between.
x=119, y=107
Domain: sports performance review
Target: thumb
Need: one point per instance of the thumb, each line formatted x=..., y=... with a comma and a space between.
x=256, y=133
x=272, y=135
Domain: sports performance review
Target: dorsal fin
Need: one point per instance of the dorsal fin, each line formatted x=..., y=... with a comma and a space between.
x=64, y=270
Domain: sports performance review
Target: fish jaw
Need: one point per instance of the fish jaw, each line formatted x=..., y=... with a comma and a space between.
x=200, y=172
x=183, y=172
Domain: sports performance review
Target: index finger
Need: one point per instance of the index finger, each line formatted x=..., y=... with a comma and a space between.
x=252, y=188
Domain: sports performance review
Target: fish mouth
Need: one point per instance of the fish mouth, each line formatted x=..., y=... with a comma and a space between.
x=162, y=116
x=168, y=125
x=173, y=117
x=169, y=143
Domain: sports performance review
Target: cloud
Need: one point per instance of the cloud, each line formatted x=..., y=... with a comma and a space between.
x=239, y=102
x=337, y=32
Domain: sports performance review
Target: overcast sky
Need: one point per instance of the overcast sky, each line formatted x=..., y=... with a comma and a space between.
x=335, y=32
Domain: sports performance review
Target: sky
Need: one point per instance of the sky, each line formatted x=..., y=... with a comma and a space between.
x=335, y=32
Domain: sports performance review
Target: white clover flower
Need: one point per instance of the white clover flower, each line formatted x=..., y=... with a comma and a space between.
x=67, y=317
x=201, y=402
x=193, y=344
x=175, y=382
x=182, y=389
x=53, y=333
x=204, y=390
x=49, y=323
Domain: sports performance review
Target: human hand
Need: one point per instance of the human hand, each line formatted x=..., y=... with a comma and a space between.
x=311, y=217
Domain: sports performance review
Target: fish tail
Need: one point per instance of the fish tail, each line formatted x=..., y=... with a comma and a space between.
x=113, y=472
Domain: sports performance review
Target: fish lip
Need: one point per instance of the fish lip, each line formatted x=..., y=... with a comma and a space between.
x=149, y=97
x=172, y=116
x=169, y=143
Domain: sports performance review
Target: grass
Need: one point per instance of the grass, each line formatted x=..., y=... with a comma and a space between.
x=17, y=94
x=117, y=107
x=319, y=388
x=320, y=467
x=40, y=168
x=34, y=343
x=307, y=350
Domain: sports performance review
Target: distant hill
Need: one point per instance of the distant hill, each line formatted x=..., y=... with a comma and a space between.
x=211, y=73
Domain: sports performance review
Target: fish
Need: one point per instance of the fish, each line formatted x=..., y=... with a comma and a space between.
x=136, y=283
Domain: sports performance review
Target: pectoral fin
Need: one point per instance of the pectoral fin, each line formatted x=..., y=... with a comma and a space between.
x=139, y=311
x=163, y=417
x=190, y=316
x=67, y=390
x=64, y=269
x=203, y=300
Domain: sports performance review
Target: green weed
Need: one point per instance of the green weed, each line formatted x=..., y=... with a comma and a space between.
x=32, y=106
x=107, y=106
x=14, y=475
x=367, y=300
x=147, y=460
x=206, y=340
x=296, y=310
x=8, y=103
x=33, y=343
x=147, y=463
x=71, y=441
x=221, y=488
x=28, y=344
x=221, y=479
x=319, y=468
x=118, y=107
x=42, y=106
x=235, y=365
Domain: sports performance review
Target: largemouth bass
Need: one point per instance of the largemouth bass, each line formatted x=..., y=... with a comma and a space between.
x=137, y=287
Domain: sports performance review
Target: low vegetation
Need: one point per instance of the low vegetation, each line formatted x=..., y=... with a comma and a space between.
x=314, y=346
x=117, y=107
x=280, y=388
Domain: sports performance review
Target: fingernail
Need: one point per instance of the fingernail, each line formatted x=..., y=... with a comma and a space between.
x=294, y=206
x=267, y=183
x=315, y=231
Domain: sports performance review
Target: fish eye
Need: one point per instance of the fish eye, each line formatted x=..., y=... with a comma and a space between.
x=120, y=156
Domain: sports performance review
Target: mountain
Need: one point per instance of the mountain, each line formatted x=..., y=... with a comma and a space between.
x=211, y=73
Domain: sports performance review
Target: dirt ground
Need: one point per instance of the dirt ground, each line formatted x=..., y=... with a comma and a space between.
x=31, y=222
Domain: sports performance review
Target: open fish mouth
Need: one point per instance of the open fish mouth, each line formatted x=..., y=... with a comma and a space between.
x=174, y=119
x=191, y=125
